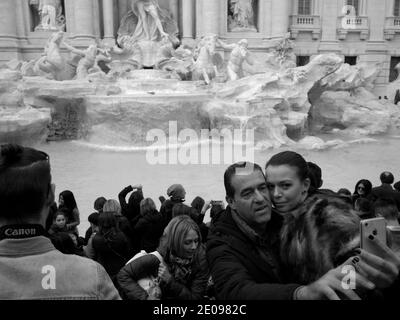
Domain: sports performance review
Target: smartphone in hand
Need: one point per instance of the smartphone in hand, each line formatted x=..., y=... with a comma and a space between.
x=375, y=227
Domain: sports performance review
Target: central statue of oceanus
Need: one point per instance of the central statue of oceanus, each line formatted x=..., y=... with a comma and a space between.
x=144, y=28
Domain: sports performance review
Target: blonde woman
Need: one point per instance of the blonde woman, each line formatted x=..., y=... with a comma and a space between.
x=183, y=272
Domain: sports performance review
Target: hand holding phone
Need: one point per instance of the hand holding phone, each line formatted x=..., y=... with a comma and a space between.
x=377, y=262
x=373, y=228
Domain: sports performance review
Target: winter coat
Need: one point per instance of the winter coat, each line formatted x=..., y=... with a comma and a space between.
x=194, y=288
x=166, y=210
x=385, y=191
x=149, y=229
x=111, y=253
x=244, y=266
x=316, y=237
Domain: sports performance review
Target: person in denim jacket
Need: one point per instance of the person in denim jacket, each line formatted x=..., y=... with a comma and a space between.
x=30, y=266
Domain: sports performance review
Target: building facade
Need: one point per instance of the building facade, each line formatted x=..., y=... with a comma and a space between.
x=359, y=30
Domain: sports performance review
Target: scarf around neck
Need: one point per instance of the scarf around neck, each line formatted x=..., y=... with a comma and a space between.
x=180, y=268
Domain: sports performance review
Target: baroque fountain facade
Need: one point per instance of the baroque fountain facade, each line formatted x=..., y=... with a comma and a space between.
x=115, y=93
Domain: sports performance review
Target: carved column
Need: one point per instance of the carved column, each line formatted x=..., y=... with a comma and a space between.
x=389, y=8
x=295, y=7
x=211, y=17
x=84, y=25
x=108, y=21
x=8, y=27
x=363, y=8
x=316, y=11
x=280, y=17
x=187, y=20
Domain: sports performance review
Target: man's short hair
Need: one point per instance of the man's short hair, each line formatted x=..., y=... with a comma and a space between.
x=25, y=181
x=238, y=168
x=386, y=208
x=387, y=177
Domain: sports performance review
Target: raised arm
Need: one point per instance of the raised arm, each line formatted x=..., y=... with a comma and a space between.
x=74, y=50
x=225, y=45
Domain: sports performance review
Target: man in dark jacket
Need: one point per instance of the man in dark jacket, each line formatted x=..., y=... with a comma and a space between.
x=243, y=245
x=238, y=247
x=386, y=191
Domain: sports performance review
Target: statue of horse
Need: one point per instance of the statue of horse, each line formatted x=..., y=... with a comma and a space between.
x=52, y=63
x=206, y=60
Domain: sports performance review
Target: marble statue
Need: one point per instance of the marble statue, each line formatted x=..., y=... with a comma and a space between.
x=51, y=15
x=205, y=65
x=146, y=21
x=282, y=56
x=241, y=17
x=149, y=24
x=52, y=62
x=177, y=61
x=145, y=28
x=239, y=55
x=88, y=63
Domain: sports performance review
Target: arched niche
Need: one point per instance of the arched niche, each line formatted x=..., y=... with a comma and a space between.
x=242, y=15
x=35, y=18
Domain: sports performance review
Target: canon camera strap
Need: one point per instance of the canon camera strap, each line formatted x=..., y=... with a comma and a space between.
x=22, y=231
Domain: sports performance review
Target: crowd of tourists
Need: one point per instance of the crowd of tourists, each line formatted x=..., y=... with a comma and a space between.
x=280, y=235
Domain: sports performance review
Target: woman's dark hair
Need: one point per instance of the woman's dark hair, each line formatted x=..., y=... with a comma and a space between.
x=134, y=203
x=108, y=225
x=197, y=204
x=315, y=175
x=25, y=181
x=291, y=159
x=59, y=213
x=94, y=218
x=396, y=186
x=147, y=206
x=99, y=203
x=367, y=184
x=69, y=200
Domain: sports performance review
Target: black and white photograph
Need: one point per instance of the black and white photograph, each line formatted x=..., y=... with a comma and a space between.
x=202, y=154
